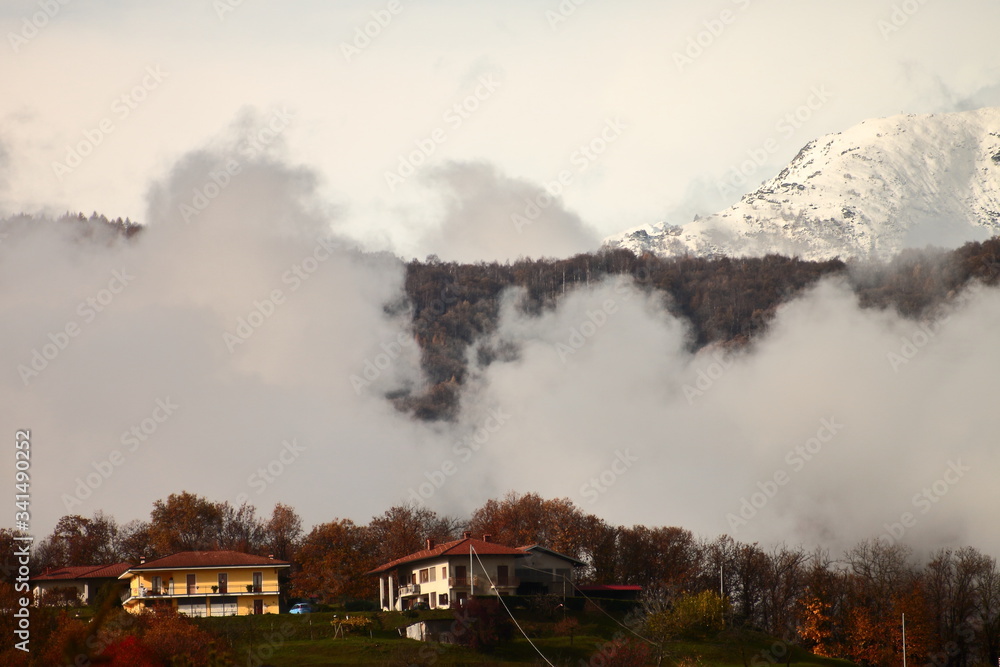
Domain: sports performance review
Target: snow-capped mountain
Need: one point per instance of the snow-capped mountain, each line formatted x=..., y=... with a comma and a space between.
x=868, y=192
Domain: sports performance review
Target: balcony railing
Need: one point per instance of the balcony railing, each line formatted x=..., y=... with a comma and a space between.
x=409, y=589
x=482, y=582
x=200, y=590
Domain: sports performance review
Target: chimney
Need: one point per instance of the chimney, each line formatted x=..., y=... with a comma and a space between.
x=466, y=534
x=142, y=559
x=270, y=556
x=430, y=543
x=487, y=538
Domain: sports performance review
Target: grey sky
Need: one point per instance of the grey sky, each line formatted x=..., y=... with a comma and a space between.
x=696, y=85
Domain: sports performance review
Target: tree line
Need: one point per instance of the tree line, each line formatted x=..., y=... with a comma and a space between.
x=848, y=606
x=726, y=301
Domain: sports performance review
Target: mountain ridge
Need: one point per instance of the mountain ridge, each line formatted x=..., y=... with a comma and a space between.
x=867, y=192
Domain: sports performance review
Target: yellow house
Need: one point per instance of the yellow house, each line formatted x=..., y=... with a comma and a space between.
x=205, y=583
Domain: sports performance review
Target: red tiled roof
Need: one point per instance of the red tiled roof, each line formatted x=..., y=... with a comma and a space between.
x=192, y=559
x=454, y=548
x=609, y=587
x=539, y=547
x=83, y=572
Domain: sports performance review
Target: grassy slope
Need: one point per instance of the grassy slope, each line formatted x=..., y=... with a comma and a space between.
x=284, y=641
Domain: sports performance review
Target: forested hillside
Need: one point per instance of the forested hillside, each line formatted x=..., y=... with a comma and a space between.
x=726, y=301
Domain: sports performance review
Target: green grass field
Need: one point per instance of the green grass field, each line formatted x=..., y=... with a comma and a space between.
x=311, y=640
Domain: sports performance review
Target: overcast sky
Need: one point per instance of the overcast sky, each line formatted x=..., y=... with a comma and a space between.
x=689, y=88
x=232, y=338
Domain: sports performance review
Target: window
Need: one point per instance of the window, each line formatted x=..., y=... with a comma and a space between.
x=223, y=606
x=502, y=576
x=258, y=582
x=192, y=588
x=443, y=600
x=424, y=576
x=223, y=583
x=444, y=573
x=461, y=597
x=433, y=574
x=157, y=585
x=434, y=600
x=460, y=577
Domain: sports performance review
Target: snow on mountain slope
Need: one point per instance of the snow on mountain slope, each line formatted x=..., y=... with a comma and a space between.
x=868, y=192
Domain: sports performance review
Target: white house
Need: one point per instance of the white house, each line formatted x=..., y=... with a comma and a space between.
x=546, y=572
x=85, y=580
x=447, y=574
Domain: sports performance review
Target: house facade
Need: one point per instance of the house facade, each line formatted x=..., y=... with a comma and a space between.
x=546, y=572
x=448, y=574
x=205, y=583
x=58, y=584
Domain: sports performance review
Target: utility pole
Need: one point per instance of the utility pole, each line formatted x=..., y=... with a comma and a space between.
x=904, y=640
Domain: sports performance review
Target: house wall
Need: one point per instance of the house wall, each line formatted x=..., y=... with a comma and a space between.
x=49, y=586
x=555, y=574
x=443, y=584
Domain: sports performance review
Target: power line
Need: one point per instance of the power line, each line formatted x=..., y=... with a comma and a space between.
x=599, y=607
x=500, y=597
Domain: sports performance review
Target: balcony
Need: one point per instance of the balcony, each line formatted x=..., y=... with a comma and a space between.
x=409, y=589
x=483, y=582
x=200, y=591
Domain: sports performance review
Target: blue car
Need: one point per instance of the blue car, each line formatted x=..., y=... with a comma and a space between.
x=301, y=608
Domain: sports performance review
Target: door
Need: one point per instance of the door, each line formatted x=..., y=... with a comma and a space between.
x=460, y=576
x=223, y=582
x=258, y=582
x=258, y=606
x=192, y=588
x=502, y=577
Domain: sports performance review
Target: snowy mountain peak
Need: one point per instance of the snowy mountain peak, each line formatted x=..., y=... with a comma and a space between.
x=868, y=192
